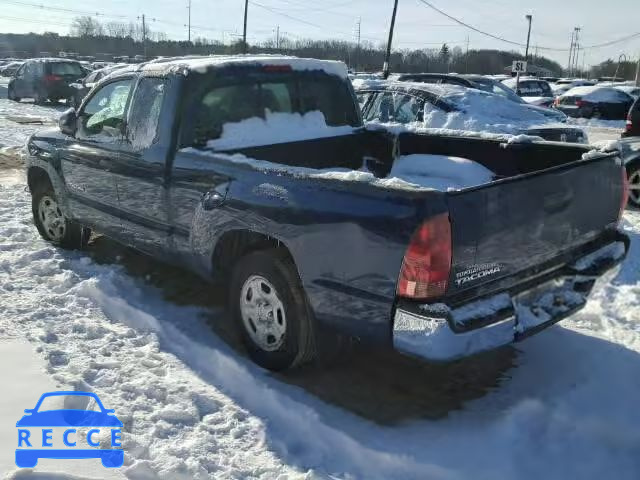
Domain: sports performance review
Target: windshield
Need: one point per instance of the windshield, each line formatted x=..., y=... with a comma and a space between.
x=497, y=88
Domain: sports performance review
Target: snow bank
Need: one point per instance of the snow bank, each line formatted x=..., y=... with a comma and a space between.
x=567, y=410
x=276, y=127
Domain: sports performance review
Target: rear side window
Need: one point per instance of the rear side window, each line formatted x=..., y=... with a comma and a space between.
x=144, y=113
x=65, y=68
x=219, y=105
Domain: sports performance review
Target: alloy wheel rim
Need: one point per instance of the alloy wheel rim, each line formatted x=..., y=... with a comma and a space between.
x=263, y=313
x=634, y=187
x=52, y=219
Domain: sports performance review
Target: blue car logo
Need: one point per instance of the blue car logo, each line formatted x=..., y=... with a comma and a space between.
x=32, y=447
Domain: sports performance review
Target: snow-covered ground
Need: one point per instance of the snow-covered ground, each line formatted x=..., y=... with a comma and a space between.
x=564, y=405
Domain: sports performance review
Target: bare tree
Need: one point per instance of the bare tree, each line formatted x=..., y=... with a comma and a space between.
x=118, y=29
x=86, y=27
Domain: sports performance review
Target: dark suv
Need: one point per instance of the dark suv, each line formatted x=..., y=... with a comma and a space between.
x=44, y=79
x=632, y=129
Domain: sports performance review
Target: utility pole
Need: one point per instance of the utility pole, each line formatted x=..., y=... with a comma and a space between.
x=357, y=55
x=570, y=54
x=189, y=26
x=576, y=51
x=385, y=67
x=278, y=37
x=144, y=37
x=526, y=52
x=466, y=57
x=244, y=30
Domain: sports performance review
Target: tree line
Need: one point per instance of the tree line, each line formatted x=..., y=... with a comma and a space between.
x=89, y=37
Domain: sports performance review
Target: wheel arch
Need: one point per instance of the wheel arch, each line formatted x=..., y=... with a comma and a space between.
x=37, y=176
x=235, y=244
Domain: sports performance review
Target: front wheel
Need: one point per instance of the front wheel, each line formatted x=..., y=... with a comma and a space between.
x=269, y=308
x=51, y=222
x=11, y=94
x=633, y=174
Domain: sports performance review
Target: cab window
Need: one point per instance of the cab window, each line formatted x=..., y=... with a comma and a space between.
x=103, y=115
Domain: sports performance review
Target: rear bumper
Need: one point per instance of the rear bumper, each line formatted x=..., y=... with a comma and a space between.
x=438, y=332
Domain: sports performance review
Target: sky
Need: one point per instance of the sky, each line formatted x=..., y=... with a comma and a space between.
x=417, y=25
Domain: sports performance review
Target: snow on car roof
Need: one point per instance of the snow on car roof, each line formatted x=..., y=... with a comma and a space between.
x=202, y=64
x=596, y=93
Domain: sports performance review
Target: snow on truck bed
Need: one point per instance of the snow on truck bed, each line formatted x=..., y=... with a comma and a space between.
x=433, y=172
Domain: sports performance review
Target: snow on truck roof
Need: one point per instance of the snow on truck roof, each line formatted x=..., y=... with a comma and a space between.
x=203, y=64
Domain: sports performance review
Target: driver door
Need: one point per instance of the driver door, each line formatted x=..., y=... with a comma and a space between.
x=90, y=158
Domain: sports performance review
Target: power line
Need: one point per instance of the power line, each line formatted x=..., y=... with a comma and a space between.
x=512, y=42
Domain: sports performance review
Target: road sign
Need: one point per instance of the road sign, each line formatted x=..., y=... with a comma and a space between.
x=519, y=66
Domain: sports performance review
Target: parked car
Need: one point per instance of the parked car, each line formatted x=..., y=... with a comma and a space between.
x=10, y=69
x=481, y=82
x=630, y=90
x=458, y=108
x=632, y=127
x=629, y=148
x=607, y=103
x=565, y=84
x=44, y=79
x=248, y=170
x=532, y=90
x=78, y=90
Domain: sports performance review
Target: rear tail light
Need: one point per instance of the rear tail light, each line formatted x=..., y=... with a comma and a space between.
x=556, y=102
x=625, y=193
x=580, y=103
x=52, y=78
x=427, y=262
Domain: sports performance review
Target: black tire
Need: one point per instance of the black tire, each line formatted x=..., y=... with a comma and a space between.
x=11, y=95
x=297, y=345
x=633, y=174
x=39, y=98
x=74, y=235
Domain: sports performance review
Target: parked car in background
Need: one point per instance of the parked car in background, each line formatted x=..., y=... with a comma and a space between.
x=630, y=90
x=481, y=82
x=565, y=84
x=10, y=69
x=44, y=79
x=532, y=90
x=459, y=108
x=242, y=169
x=632, y=127
x=78, y=90
x=629, y=148
x=607, y=103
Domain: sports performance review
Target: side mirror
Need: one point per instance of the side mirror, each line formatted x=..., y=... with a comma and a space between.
x=68, y=122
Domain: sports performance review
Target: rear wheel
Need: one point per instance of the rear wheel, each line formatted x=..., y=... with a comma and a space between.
x=269, y=308
x=51, y=222
x=39, y=98
x=633, y=174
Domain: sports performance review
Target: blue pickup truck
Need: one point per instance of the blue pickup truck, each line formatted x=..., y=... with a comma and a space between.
x=257, y=173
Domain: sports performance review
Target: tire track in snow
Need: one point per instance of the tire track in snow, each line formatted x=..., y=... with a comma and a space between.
x=195, y=410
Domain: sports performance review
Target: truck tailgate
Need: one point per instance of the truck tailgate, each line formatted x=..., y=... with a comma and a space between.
x=511, y=225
